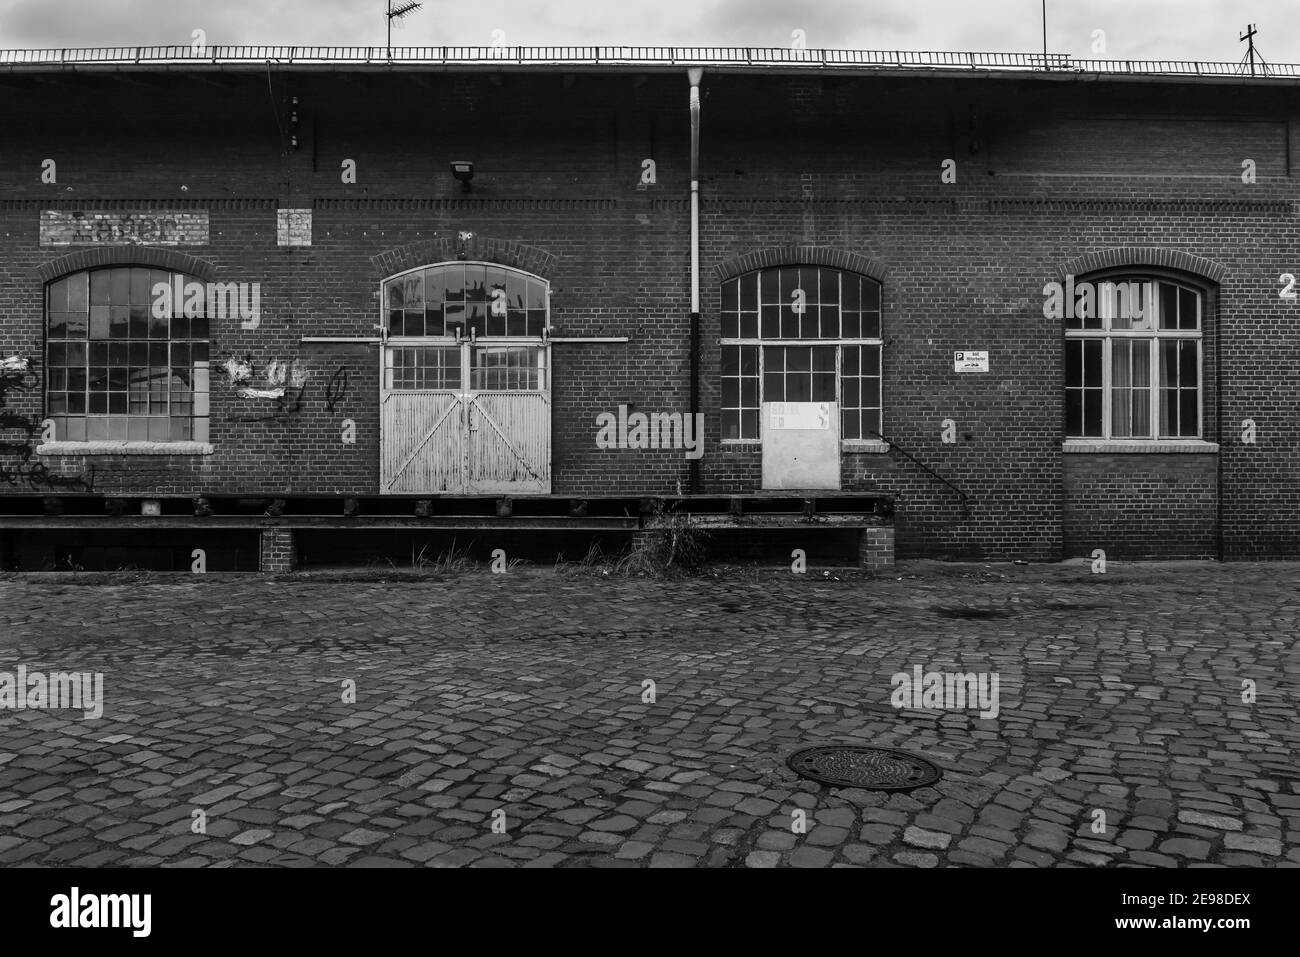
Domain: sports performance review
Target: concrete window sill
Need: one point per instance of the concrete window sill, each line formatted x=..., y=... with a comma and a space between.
x=125, y=448
x=1139, y=447
x=868, y=446
x=865, y=446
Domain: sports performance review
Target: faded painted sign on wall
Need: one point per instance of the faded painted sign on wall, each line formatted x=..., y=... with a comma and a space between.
x=293, y=227
x=109, y=228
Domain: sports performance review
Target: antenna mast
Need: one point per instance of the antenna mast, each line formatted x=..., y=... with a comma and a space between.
x=403, y=8
x=1248, y=37
x=1044, y=32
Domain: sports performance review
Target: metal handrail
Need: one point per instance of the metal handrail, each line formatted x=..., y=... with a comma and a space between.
x=616, y=55
x=895, y=447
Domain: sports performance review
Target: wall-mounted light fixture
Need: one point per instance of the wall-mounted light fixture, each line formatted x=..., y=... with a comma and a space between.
x=463, y=170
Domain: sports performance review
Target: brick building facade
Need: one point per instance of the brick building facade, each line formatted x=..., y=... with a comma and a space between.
x=932, y=207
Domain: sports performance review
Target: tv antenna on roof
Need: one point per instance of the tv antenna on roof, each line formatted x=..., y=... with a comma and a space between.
x=403, y=8
x=1044, y=32
x=1249, y=38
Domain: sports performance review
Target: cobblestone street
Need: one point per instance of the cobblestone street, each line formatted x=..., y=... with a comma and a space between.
x=1122, y=737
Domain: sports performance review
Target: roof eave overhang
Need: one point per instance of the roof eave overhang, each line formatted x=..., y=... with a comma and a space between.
x=614, y=69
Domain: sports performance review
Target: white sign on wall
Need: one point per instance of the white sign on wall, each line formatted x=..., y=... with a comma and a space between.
x=970, y=361
x=800, y=415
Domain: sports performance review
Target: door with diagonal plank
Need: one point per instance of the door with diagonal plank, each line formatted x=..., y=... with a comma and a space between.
x=491, y=438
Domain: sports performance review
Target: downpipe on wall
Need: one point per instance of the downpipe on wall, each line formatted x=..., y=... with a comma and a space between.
x=1220, y=436
x=695, y=74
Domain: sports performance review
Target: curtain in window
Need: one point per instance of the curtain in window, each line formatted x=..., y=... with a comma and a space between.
x=1142, y=388
x=1112, y=369
x=1121, y=379
x=1130, y=378
x=1168, y=388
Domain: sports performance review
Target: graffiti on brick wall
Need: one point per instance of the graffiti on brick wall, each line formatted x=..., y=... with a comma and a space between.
x=285, y=383
x=10, y=422
x=279, y=380
x=17, y=375
x=337, y=390
x=36, y=475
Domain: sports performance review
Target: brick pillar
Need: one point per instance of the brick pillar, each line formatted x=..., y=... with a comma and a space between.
x=279, y=554
x=876, y=548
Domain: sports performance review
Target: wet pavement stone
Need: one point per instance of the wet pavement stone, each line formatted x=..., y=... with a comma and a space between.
x=499, y=720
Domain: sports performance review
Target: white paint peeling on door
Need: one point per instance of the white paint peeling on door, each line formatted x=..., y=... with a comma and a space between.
x=510, y=442
x=454, y=441
x=423, y=444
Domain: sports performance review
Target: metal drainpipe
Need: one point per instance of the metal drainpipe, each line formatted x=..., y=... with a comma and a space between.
x=695, y=74
x=1220, y=434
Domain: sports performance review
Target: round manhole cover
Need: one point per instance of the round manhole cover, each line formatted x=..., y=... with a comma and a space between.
x=873, y=769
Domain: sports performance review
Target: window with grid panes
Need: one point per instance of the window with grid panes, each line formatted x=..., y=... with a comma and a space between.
x=437, y=301
x=801, y=334
x=508, y=369
x=417, y=368
x=1134, y=371
x=488, y=301
x=117, y=372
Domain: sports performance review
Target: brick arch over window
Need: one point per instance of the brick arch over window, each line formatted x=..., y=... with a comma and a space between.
x=800, y=256
x=1144, y=257
x=159, y=258
x=503, y=252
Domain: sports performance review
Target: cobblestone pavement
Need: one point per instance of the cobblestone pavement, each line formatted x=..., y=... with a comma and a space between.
x=1122, y=736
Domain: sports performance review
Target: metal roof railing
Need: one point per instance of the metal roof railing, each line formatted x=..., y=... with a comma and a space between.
x=199, y=55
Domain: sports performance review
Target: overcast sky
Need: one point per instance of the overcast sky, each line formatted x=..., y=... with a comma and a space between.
x=1134, y=29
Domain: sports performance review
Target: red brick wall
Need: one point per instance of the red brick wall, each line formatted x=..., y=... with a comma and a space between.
x=1141, y=506
x=1047, y=173
x=278, y=553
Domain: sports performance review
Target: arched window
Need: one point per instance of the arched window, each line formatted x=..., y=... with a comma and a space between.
x=490, y=300
x=1133, y=359
x=801, y=334
x=123, y=362
x=451, y=308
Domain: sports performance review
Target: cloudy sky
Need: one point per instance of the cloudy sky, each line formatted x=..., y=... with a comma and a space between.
x=1133, y=29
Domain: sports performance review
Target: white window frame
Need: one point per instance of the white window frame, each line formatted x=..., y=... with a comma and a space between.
x=451, y=340
x=129, y=446
x=852, y=444
x=1151, y=331
x=464, y=343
